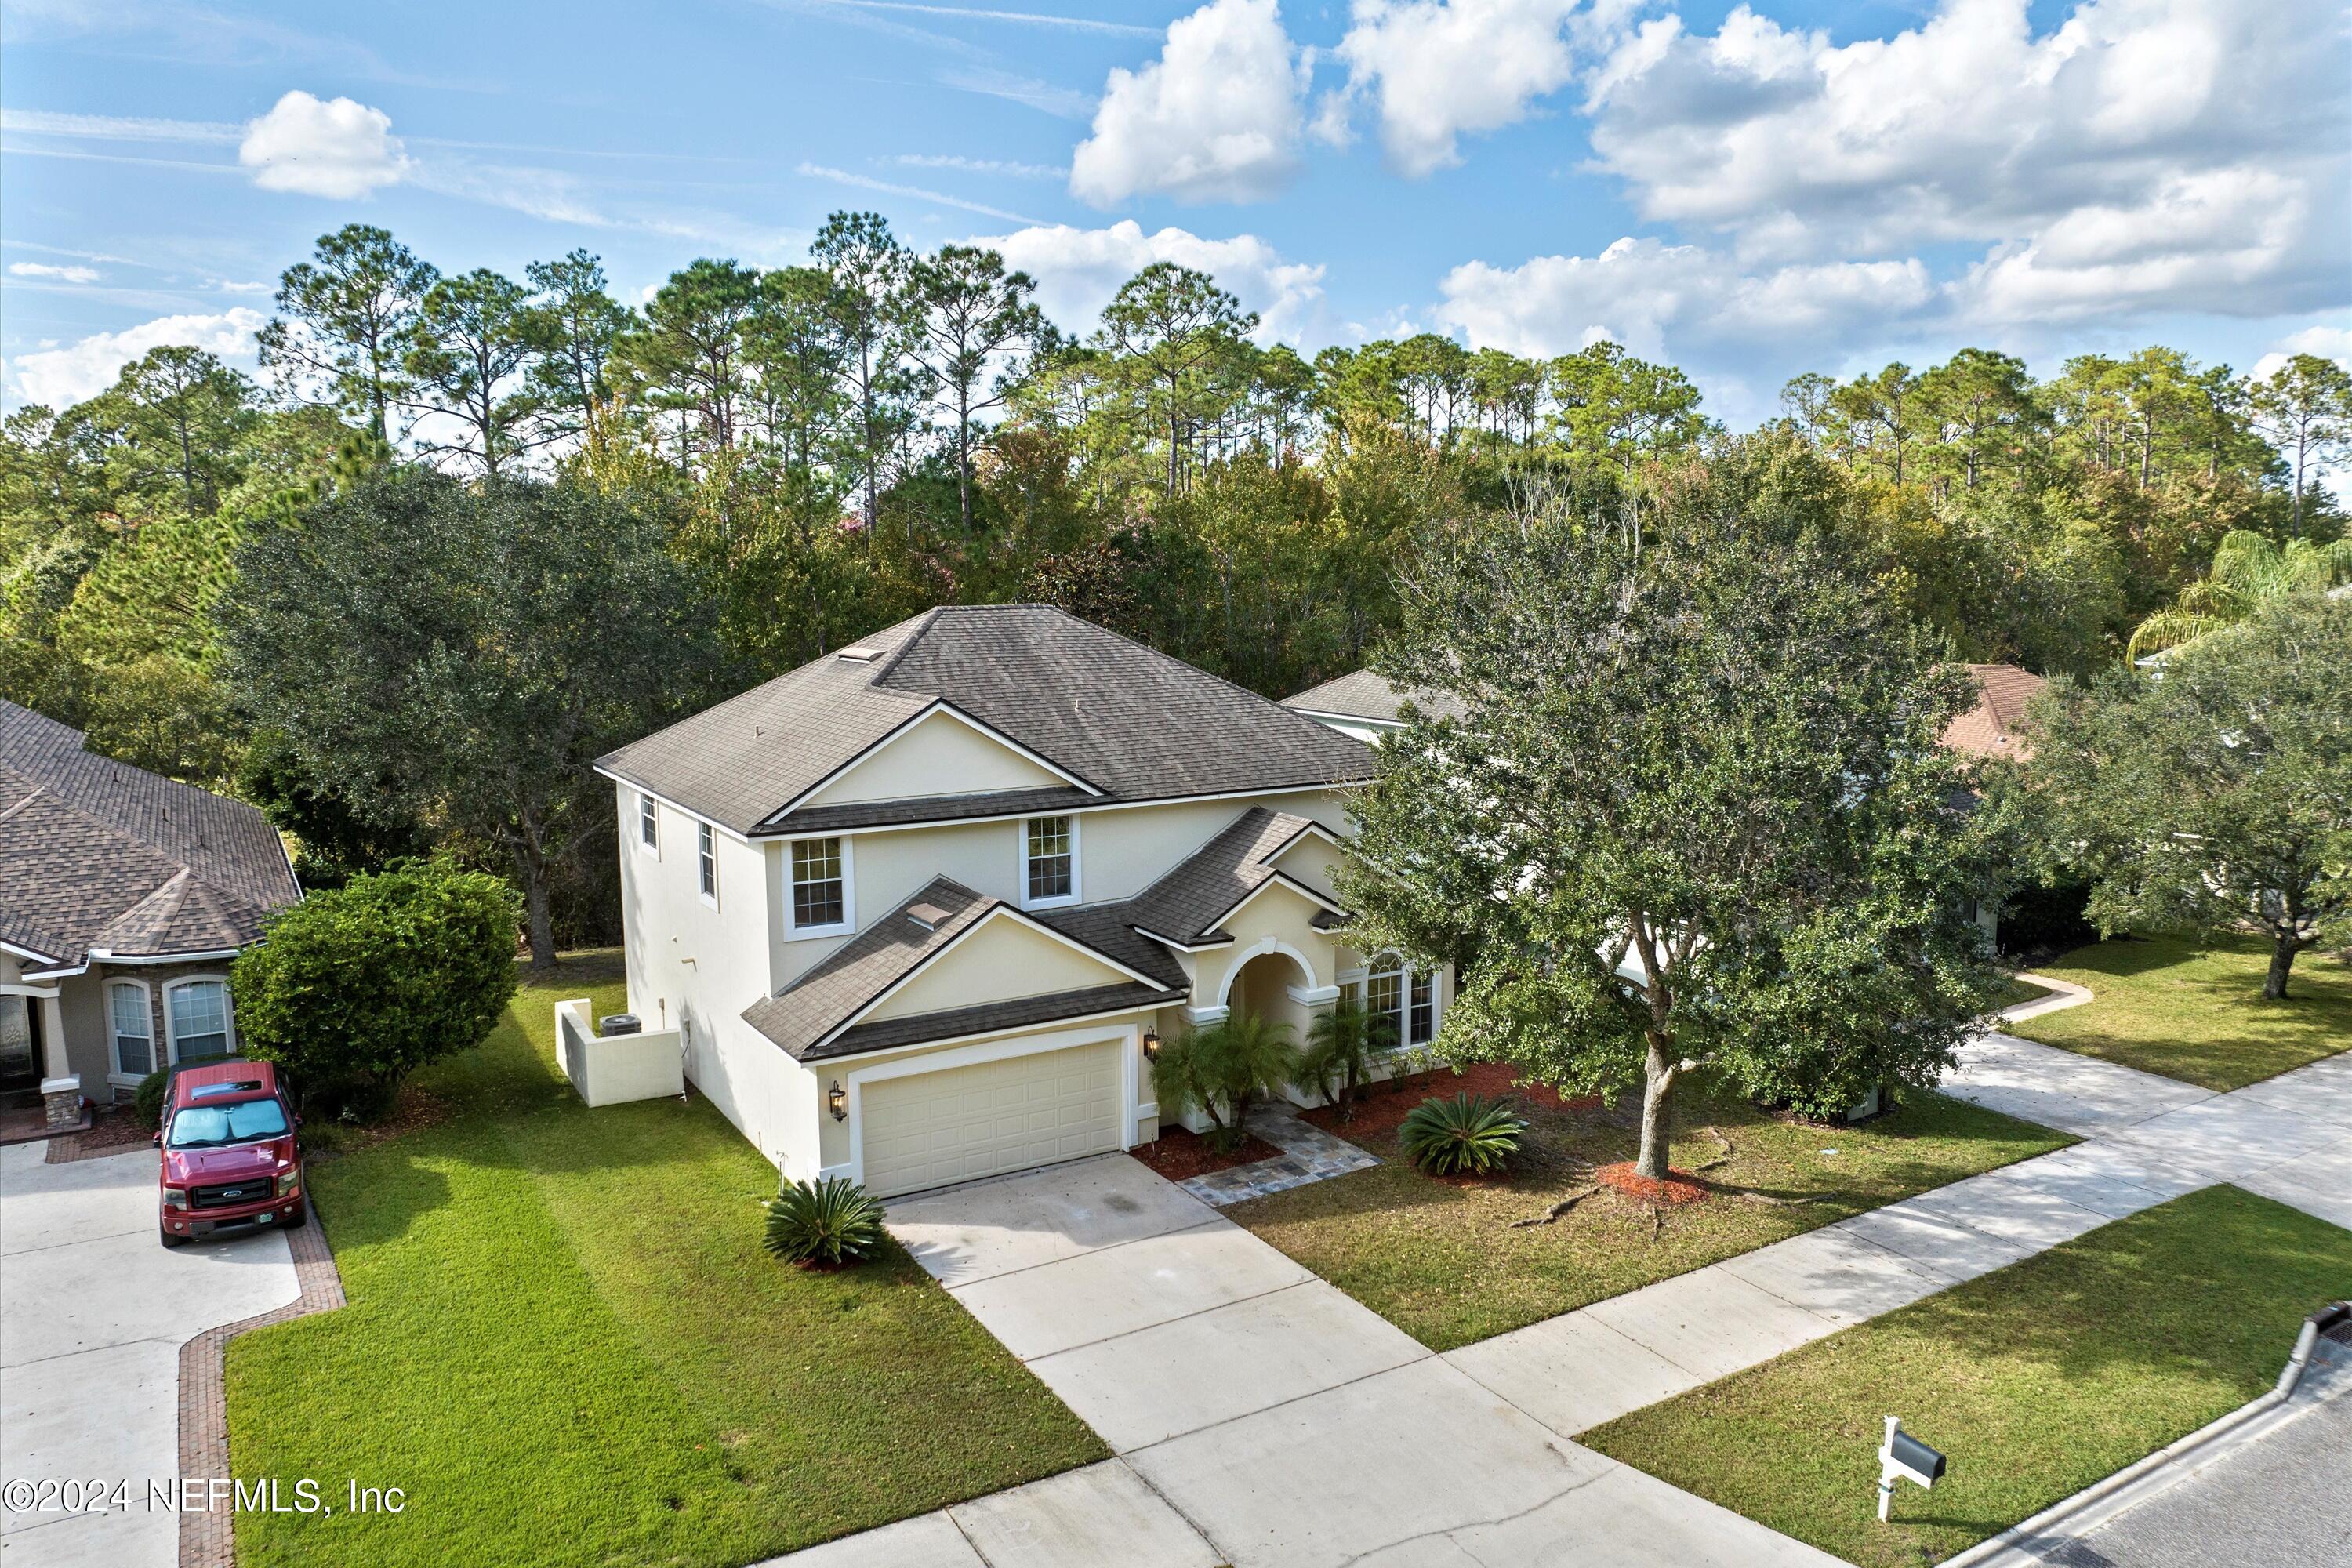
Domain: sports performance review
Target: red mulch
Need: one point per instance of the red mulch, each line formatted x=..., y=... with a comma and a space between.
x=1385, y=1109
x=1179, y=1154
x=1679, y=1187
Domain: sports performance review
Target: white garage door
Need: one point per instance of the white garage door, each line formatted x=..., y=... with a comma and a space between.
x=930, y=1129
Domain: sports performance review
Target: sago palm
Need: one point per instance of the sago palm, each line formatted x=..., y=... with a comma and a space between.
x=2249, y=570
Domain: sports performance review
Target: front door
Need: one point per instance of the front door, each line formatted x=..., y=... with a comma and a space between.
x=20, y=1045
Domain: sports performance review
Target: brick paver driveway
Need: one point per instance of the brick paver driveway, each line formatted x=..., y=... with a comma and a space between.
x=93, y=1311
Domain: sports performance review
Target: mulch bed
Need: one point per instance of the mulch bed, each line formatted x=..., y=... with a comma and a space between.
x=112, y=1129
x=1179, y=1154
x=1679, y=1187
x=1384, y=1110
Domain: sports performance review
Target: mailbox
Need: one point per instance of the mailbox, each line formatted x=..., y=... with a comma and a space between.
x=1904, y=1458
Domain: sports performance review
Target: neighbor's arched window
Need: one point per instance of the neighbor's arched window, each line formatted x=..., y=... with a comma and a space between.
x=197, y=1014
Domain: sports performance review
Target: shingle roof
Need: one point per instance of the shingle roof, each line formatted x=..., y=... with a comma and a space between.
x=1989, y=729
x=1132, y=723
x=1361, y=694
x=803, y=1014
x=1185, y=905
x=97, y=854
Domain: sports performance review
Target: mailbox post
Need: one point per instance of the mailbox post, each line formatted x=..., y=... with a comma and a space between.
x=1904, y=1457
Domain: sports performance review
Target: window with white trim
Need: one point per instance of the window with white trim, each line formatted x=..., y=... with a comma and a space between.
x=1049, y=860
x=1402, y=1003
x=197, y=1012
x=819, y=889
x=134, y=1029
x=706, y=854
x=649, y=823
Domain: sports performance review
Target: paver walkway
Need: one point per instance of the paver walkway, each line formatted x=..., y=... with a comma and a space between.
x=1263, y=1418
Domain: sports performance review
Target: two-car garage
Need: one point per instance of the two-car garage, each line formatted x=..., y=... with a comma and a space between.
x=922, y=1130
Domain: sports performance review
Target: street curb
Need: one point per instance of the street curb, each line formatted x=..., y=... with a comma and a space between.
x=2024, y=1537
x=207, y=1538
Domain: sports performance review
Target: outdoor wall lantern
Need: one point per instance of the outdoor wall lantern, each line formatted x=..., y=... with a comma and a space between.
x=1904, y=1458
x=836, y=1099
x=1150, y=1044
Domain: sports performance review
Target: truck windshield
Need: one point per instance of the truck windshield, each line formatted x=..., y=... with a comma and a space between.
x=211, y=1126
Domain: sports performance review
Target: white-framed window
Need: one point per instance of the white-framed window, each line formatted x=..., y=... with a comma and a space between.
x=821, y=904
x=648, y=824
x=132, y=1024
x=196, y=1018
x=1049, y=861
x=1401, y=1002
x=706, y=862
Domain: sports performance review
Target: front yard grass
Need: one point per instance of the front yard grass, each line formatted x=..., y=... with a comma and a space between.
x=2035, y=1381
x=1443, y=1262
x=564, y=1344
x=2169, y=1006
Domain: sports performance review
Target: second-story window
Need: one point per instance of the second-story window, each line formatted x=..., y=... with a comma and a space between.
x=820, y=893
x=1051, y=860
x=706, y=853
x=649, y=823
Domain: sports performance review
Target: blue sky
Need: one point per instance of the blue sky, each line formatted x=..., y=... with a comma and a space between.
x=1750, y=192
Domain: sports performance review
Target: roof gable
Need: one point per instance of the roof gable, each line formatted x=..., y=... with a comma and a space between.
x=941, y=744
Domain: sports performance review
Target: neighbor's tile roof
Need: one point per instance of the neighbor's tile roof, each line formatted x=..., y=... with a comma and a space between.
x=801, y=1017
x=1132, y=723
x=1989, y=729
x=1361, y=694
x=96, y=854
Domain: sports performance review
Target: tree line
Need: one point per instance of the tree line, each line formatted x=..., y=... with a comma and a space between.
x=756, y=466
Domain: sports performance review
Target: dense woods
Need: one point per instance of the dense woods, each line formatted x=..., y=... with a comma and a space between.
x=814, y=451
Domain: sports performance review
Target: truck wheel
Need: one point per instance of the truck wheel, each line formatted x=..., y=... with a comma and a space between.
x=301, y=1217
x=169, y=1239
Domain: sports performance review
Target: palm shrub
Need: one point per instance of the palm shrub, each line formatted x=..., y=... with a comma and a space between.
x=1468, y=1134
x=1338, y=1056
x=824, y=1224
x=1224, y=1066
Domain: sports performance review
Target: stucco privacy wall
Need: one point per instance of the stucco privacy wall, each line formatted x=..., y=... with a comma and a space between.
x=610, y=1069
x=935, y=751
x=1000, y=959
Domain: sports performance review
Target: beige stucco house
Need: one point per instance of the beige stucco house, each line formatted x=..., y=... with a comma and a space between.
x=918, y=909
x=123, y=898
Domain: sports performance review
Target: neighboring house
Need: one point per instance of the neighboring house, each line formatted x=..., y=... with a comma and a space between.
x=123, y=895
x=921, y=908
x=1366, y=707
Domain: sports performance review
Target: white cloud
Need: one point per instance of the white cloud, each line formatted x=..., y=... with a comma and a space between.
x=1079, y=270
x=1002, y=166
x=63, y=376
x=2144, y=155
x=1661, y=299
x=113, y=127
x=339, y=148
x=867, y=183
x=1437, y=68
x=1216, y=118
x=75, y=274
x=2327, y=343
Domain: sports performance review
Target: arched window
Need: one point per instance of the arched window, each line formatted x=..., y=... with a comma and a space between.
x=133, y=1027
x=197, y=1013
x=1401, y=1002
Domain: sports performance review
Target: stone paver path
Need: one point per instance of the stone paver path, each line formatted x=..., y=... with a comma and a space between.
x=1309, y=1154
x=1262, y=1417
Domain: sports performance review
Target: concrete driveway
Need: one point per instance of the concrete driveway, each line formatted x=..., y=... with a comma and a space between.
x=93, y=1311
x=1260, y=1416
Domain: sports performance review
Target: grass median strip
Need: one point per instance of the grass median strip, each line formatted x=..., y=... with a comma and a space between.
x=564, y=1344
x=2035, y=1381
x=2197, y=1014
x=1444, y=1262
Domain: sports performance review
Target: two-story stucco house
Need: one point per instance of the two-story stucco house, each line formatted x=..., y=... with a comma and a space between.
x=921, y=908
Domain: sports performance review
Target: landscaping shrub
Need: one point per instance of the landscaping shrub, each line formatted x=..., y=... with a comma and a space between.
x=355, y=987
x=825, y=1224
x=1466, y=1135
x=1221, y=1068
x=1338, y=1056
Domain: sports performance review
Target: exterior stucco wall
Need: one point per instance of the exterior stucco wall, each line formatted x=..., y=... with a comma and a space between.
x=940, y=755
x=999, y=961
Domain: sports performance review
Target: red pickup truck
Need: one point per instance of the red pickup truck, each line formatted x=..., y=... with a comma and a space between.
x=230, y=1159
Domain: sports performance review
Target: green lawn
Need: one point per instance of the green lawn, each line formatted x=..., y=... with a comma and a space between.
x=2035, y=1381
x=2197, y=1014
x=1443, y=1262
x=565, y=1344
x=2016, y=993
